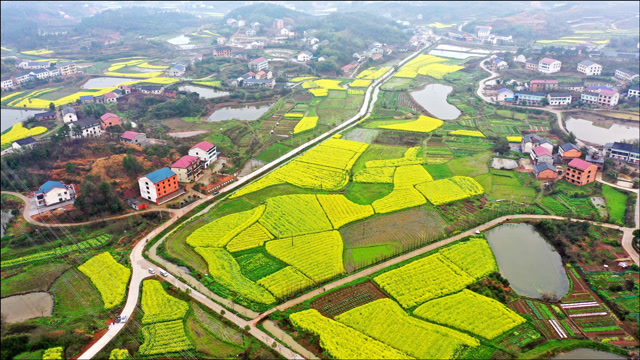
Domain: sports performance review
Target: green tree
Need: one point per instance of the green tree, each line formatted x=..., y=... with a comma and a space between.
x=70, y=168
x=52, y=106
x=572, y=137
x=502, y=146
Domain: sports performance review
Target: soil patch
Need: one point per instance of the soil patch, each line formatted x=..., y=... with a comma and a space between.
x=345, y=299
x=19, y=308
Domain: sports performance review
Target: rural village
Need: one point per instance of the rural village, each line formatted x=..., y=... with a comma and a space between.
x=320, y=180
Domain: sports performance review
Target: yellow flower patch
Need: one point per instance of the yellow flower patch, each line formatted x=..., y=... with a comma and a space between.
x=473, y=133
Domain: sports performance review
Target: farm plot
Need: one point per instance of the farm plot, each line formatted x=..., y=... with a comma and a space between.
x=411, y=157
x=423, y=124
x=291, y=215
x=406, y=229
x=221, y=330
x=257, y=263
x=616, y=204
x=372, y=73
x=18, y=132
x=341, y=341
x=342, y=211
x=347, y=298
x=411, y=69
x=399, y=199
x=220, y=231
x=400, y=138
x=437, y=153
x=407, y=176
x=254, y=236
x=158, y=306
x=164, y=338
x=225, y=271
x=108, y=276
x=472, y=313
x=448, y=190
x=306, y=123
x=464, y=146
x=318, y=256
x=385, y=321
x=423, y=280
x=361, y=135
x=473, y=256
x=377, y=175
x=285, y=282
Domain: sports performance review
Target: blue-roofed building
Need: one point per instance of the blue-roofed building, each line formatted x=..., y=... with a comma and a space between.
x=529, y=97
x=505, y=94
x=86, y=99
x=177, y=70
x=622, y=152
x=160, y=186
x=54, y=192
x=45, y=115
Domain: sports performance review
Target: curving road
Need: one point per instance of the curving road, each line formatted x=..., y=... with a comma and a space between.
x=140, y=265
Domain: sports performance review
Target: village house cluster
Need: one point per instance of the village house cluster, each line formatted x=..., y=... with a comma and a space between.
x=38, y=70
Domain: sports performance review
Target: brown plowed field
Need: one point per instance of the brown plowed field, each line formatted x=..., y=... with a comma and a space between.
x=345, y=299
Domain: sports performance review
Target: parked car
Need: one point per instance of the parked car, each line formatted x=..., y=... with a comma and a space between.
x=151, y=271
x=164, y=273
x=216, y=192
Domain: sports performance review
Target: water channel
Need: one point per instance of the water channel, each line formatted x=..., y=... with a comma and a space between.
x=204, y=92
x=587, y=131
x=587, y=354
x=433, y=98
x=528, y=261
x=104, y=82
x=239, y=112
x=11, y=117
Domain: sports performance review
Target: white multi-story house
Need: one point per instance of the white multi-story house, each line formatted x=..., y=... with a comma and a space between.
x=589, y=68
x=626, y=75
x=7, y=83
x=206, y=151
x=89, y=127
x=20, y=78
x=589, y=97
x=67, y=68
x=152, y=89
x=69, y=114
x=634, y=91
x=53, y=192
x=177, y=70
x=483, y=31
x=549, y=66
x=608, y=98
x=40, y=73
x=559, y=99
x=304, y=55
x=188, y=168
x=258, y=64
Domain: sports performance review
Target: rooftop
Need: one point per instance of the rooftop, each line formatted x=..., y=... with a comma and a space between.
x=25, y=141
x=46, y=114
x=539, y=150
x=539, y=167
x=548, y=60
x=624, y=147
x=88, y=122
x=204, y=145
x=259, y=60
x=559, y=95
x=50, y=185
x=108, y=115
x=579, y=164
x=607, y=92
x=129, y=135
x=569, y=146
x=160, y=175
x=185, y=161
x=68, y=110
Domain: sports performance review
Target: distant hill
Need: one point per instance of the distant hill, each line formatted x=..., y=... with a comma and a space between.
x=265, y=13
x=137, y=20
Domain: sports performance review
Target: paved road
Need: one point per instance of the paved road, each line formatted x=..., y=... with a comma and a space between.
x=140, y=265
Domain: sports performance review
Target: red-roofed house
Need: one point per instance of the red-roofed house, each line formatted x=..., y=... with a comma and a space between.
x=549, y=66
x=188, y=168
x=133, y=137
x=110, y=98
x=109, y=119
x=206, y=151
x=608, y=98
x=259, y=64
x=581, y=172
x=540, y=154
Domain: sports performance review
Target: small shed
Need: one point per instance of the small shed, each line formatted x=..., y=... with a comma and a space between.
x=136, y=205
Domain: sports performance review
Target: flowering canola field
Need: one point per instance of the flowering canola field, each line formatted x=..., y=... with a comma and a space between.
x=224, y=269
x=379, y=175
x=411, y=69
x=307, y=123
x=360, y=83
x=164, y=338
x=423, y=280
x=410, y=158
x=109, y=277
x=252, y=237
x=294, y=215
x=372, y=73
x=318, y=256
x=285, y=282
x=158, y=306
x=342, y=211
x=220, y=231
x=422, y=124
x=473, y=133
x=385, y=321
x=399, y=199
x=470, y=312
x=18, y=131
x=473, y=256
x=448, y=190
x=343, y=342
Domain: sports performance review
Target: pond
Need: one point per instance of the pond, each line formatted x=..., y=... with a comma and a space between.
x=434, y=99
x=452, y=54
x=11, y=117
x=587, y=131
x=6, y=217
x=528, y=261
x=182, y=42
x=587, y=354
x=239, y=112
x=28, y=306
x=204, y=92
x=104, y=82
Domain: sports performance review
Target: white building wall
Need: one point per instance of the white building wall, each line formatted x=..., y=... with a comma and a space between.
x=147, y=192
x=56, y=195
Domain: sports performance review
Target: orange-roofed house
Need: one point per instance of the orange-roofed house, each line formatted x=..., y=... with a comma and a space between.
x=188, y=168
x=569, y=152
x=581, y=172
x=109, y=119
x=206, y=151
